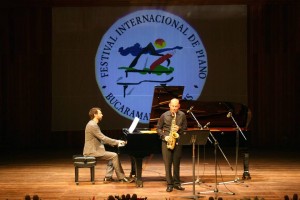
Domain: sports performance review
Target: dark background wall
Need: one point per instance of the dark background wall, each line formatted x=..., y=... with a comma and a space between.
x=25, y=104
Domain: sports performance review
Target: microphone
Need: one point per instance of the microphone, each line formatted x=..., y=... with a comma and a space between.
x=229, y=115
x=189, y=110
x=229, y=108
x=206, y=125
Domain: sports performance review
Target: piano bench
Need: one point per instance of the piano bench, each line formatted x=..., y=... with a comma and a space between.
x=81, y=161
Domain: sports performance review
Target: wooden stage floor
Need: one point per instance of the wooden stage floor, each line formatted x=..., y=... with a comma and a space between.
x=50, y=175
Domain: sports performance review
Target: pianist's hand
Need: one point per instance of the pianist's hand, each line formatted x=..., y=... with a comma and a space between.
x=121, y=143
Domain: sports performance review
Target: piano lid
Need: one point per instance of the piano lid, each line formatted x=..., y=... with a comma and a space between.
x=205, y=111
x=161, y=98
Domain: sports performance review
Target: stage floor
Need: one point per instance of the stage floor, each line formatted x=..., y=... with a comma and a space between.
x=50, y=175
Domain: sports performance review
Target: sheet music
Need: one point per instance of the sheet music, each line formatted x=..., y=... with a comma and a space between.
x=133, y=125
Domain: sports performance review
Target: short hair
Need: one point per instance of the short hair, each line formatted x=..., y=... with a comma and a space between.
x=175, y=100
x=93, y=111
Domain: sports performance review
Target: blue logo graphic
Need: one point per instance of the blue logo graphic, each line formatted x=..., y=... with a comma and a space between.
x=144, y=49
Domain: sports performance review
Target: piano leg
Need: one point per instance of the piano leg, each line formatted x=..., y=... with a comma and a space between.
x=133, y=171
x=245, y=153
x=246, y=174
x=137, y=162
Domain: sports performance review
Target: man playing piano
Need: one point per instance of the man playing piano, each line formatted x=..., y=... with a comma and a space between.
x=172, y=121
x=94, y=146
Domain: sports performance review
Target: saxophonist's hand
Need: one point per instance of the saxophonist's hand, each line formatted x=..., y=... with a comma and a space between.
x=176, y=128
x=167, y=138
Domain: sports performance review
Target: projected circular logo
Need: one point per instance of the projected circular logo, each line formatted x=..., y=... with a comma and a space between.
x=144, y=49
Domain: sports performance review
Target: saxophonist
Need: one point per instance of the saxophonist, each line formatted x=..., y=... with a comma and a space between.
x=170, y=125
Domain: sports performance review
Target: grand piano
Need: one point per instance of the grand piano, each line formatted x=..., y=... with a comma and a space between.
x=145, y=141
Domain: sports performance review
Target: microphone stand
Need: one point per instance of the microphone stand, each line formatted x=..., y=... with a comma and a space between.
x=216, y=145
x=216, y=190
x=198, y=181
x=238, y=130
x=215, y=140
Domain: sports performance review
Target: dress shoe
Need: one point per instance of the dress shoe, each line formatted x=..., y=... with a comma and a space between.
x=169, y=188
x=126, y=180
x=108, y=180
x=178, y=187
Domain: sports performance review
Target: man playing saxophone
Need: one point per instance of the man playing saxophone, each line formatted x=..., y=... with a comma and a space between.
x=170, y=125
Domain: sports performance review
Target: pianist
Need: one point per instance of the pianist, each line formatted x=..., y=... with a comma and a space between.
x=94, y=146
x=176, y=120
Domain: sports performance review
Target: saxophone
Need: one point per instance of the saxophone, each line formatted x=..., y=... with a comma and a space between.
x=173, y=135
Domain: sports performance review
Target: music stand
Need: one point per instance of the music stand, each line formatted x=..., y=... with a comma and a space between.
x=194, y=137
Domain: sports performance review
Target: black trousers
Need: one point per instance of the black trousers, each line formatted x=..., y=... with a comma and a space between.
x=172, y=161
